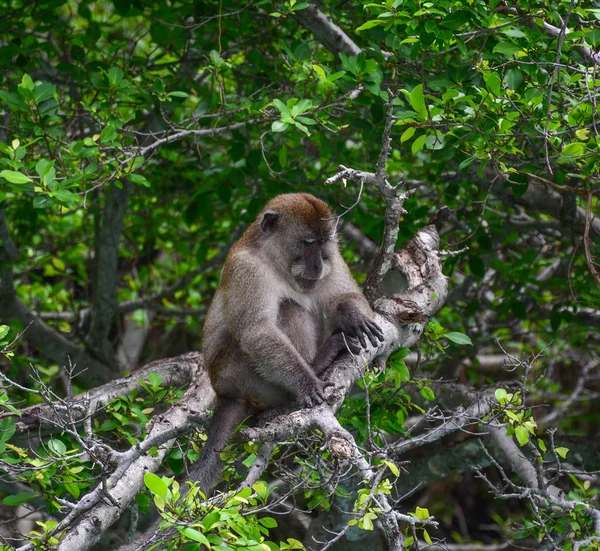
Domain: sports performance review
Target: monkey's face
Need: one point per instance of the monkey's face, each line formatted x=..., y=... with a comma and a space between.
x=311, y=257
x=299, y=236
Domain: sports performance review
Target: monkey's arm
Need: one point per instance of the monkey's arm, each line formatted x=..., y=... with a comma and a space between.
x=349, y=310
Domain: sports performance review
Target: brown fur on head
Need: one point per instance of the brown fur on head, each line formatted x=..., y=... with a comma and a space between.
x=297, y=232
x=304, y=207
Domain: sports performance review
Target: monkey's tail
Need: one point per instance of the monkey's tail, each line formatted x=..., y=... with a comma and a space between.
x=227, y=416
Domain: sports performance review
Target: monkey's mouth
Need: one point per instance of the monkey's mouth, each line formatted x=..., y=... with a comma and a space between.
x=306, y=282
x=301, y=274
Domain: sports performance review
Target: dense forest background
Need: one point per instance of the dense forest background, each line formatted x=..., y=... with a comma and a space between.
x=138, y=139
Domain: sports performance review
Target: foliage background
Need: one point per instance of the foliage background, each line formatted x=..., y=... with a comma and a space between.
x=137, y=139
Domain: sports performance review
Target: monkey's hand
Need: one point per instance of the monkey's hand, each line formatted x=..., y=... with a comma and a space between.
x=358, y=325
x=315, y=394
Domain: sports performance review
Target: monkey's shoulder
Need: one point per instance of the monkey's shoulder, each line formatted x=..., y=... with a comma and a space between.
x=242, y=264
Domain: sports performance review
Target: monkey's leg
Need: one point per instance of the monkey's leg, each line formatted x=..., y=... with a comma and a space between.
x=335, y=346
x=227, y=416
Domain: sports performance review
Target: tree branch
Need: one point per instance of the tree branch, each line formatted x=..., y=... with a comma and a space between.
x=326, y=31
x=95, y=513
x=175, y=372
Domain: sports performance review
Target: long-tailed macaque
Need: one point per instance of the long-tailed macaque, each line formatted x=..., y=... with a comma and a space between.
x=285, y=307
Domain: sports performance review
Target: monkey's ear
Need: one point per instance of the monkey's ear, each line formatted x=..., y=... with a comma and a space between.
x=269, y=220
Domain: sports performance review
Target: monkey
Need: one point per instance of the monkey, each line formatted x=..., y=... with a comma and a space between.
x=285, y=308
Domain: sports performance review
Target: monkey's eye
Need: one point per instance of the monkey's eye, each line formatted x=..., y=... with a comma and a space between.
x=309, y=241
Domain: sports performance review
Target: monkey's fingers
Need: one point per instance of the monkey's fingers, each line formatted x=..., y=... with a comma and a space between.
x=371, y=337
x=306, y=402
x=360, y=335
x=373, y=333
x=317, y=398
x=374, y=327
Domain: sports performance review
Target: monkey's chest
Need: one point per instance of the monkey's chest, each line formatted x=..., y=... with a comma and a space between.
x=303, y=326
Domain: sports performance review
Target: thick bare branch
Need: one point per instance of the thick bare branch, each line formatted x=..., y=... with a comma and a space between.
x=326, y=31
x=175, y=372
x=94, y=514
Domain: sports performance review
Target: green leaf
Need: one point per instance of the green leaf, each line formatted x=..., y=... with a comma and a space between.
x=268, y=522
x=367, y=523
x=407, y=134
x=422, y=513
x=210, y=520
x=492, y=82
x=279, y=126
x=506, y=48
x=27, y=83
x=562, y=452
x=216, y=58
x=501, y=395
x=513, y=78
x=108, y=134
x=300, y=126
x=319, y=70
x=282, y=107
x=66, y=196
x=402, y=370
x=177, y=94
x=522, y=435
x=467, y=162
x=417, y=101
x=158, y=86
x=427, y=393
x=427, y=537
x=7, y=429
x=57, y=446
x=194, y=535
x=3, y=331
x=58, y=264
x=43, y=167
x=154, y=378
x=249, y=461
x=570, y=150
x=458, y=338
x=156, y=485
x=418, y=144
x=115, y=75
x=44, y=91
x=302, y=106
x=18, y=499
x=392, y=467
x=300, y=6
x=15, y=177
x=73, y=489
x=370, y=24
x=138, y=179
